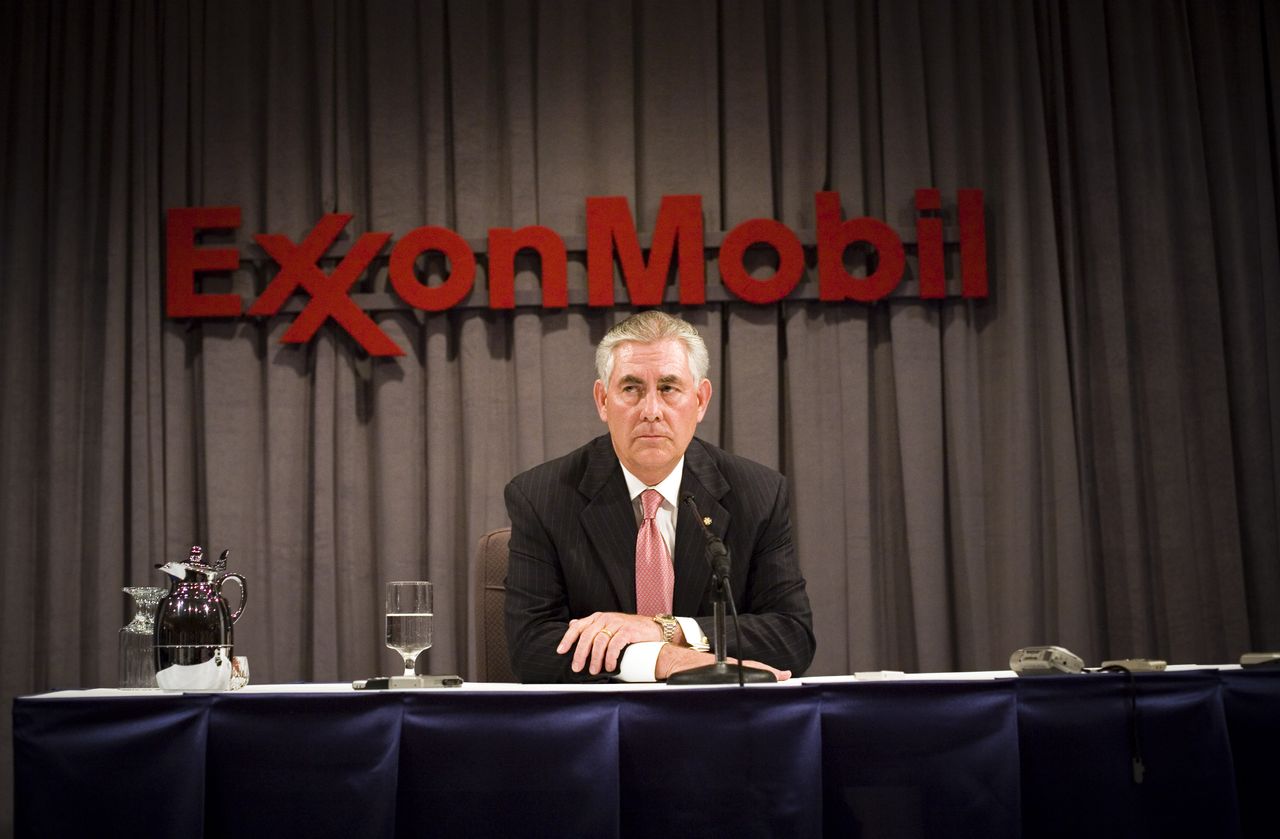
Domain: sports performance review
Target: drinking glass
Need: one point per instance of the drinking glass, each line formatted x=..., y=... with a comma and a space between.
x=409, y=616
x=239, y=672
x=137, y=637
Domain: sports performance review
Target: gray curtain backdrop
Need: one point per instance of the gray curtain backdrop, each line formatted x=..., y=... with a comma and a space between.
x=1088, y=458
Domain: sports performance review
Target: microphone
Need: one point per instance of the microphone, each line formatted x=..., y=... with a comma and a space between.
x=721, y=672
x=717, y=553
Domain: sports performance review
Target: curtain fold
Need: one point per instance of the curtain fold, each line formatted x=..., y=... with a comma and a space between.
x=1088, y=457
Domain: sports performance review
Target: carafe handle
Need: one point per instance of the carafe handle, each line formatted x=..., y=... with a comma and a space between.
x=244, y=592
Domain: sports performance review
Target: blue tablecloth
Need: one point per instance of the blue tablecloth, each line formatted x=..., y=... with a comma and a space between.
x=1049, y=756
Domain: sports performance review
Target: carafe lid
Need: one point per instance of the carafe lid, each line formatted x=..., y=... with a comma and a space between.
x=196, y=563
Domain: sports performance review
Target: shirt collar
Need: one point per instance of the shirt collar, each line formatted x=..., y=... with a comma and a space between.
x=668, y=487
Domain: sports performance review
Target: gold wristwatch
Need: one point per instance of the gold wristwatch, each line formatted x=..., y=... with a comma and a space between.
x=669, y=626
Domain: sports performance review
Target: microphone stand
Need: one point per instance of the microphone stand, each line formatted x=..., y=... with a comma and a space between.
x=721, y=672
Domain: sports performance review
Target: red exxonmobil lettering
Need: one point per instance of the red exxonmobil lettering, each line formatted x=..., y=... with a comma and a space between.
x=611, y=235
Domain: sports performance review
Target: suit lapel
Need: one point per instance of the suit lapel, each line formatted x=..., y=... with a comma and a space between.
x=610, y=522
x=704, y=481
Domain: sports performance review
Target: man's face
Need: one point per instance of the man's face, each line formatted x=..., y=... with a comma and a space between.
x=652, y=406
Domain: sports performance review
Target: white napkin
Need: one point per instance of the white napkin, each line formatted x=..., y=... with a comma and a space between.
x=214, y=674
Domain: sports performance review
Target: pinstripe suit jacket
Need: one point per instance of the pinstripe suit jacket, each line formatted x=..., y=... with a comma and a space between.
x=573, y=542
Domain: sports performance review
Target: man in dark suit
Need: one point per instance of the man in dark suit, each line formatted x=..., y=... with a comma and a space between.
x=604, y=555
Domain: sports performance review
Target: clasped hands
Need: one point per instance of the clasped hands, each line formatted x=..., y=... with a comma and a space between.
x=598, y=640
x=602, y=636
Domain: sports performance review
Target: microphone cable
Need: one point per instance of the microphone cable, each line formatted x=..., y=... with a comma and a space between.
x=1135, y=716
x=737, y=631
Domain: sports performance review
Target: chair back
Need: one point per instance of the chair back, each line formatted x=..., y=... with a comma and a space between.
x=491, y=594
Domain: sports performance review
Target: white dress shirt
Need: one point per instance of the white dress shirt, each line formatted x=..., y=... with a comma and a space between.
x=639, y=661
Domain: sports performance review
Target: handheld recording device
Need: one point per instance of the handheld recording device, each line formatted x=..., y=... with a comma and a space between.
x=1135, y=665
x=406, y=682
x=1047, y=660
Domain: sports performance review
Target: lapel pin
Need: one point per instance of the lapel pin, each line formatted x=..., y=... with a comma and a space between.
x=706, y=521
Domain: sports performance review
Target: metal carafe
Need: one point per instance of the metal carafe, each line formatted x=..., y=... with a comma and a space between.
x=194, y=626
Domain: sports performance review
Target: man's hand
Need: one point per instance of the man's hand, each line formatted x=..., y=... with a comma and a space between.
x=673, y=659
x=601, y=637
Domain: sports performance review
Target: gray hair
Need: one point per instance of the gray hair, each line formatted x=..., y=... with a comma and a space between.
x=649, y=327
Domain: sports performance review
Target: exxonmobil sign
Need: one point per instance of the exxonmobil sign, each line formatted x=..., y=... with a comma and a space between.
x=611, y=236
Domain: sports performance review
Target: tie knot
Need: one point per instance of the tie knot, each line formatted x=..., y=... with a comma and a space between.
x=649, y=500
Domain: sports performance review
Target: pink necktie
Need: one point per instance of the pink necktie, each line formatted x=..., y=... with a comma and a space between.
x=655, y=576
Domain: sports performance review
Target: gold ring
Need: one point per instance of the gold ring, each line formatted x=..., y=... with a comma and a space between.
x=605, y=632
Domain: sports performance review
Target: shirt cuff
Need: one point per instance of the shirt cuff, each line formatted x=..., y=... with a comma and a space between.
x=693, y=634
x=639, y=662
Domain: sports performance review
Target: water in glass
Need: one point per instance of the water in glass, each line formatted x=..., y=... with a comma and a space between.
x=409, y=614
